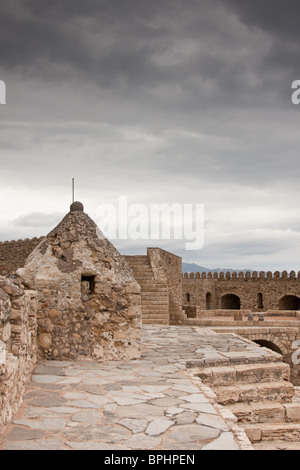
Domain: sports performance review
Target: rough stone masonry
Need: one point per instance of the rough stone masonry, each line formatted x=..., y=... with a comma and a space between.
x=89, y=304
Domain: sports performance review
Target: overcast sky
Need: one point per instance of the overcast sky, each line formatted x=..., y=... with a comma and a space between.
x=161, y=101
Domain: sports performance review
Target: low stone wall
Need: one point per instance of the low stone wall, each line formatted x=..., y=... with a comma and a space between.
x=167, y=266
x=18, y=328
x=197, y=312
x=286, y=339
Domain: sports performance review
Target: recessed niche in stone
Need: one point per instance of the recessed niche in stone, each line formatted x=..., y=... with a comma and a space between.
x=87, y=284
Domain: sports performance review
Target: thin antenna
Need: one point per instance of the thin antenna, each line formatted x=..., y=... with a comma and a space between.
x=73, y=190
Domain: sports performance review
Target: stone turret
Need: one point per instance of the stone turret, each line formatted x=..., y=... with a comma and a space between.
x=89, y=301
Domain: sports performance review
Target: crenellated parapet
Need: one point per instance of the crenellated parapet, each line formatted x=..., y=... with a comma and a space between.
x=254, y=275
x=14, y=253
x=256, y=290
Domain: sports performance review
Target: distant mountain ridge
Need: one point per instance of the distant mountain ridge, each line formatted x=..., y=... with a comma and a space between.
x=195, y=268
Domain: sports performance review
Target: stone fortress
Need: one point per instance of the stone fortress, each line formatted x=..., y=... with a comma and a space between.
x=71, y=296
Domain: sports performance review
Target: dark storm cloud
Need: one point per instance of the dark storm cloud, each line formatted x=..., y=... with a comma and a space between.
x=280, y=20
x=171, y=99
x=279, y=17
x=194, y=51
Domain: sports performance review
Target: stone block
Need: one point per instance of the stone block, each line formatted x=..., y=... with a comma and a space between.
x=6, y=332
x=292, y=411
x=45, y=340
x=132, y=288
x=134, y=311
x=2, y=353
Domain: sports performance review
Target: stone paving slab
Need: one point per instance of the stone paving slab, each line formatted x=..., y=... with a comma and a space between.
x=151, y=403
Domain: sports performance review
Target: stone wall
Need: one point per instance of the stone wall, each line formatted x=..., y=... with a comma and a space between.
x=14, y=253
x=17, y=344
x=168, y=266
x=256, y=291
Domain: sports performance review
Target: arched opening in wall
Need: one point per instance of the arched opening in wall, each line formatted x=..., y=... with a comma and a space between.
x=289, y=302
x=188, y=297
x=208, y=301
x=260, y=303
x=231, y=302
x=268, y=344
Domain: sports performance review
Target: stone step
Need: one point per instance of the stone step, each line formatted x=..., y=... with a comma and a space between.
x=141, y=267
x=144, y=277
x=136, y=259
x=151, y=321
x=276, y=444
x=155, y=311
x=261, y=412
x=142, y=270
x=155, y=316
x=273, y=391
x=264, y=412
x=153, y=288
x=148, y=309
x=154, y=299
x=270, y=431
x=244, y=373
x=154, y=293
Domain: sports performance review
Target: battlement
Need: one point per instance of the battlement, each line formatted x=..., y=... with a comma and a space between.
x=13, y=253
x=284, y=275
x=20, y=241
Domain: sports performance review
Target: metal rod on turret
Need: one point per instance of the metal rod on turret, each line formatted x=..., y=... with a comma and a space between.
x=73, y=190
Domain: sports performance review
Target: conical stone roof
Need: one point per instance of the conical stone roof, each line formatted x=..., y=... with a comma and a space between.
x=75, y=245
x=89, y=301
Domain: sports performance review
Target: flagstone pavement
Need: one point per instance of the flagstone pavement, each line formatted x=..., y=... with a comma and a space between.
x=151, y=403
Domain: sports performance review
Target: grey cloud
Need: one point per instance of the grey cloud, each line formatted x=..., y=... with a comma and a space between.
x=275, y=16
x=172, y=100
x=198, y=54
x=37, y=220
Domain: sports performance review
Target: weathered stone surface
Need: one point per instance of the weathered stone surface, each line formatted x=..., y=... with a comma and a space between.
x=142, y=442
x=292, y=411
x=18, y=326
x=87, y=416
x=84, y=308
x=20, y=434
x=193, y=433
x=2, y=353
x=158, y=426
x=225, y=442
x=49, y=444
x=212, y=421
x=134, y=424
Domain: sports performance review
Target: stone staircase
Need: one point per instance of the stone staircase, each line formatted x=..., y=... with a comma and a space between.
x=154, y=292
x=262, y=399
